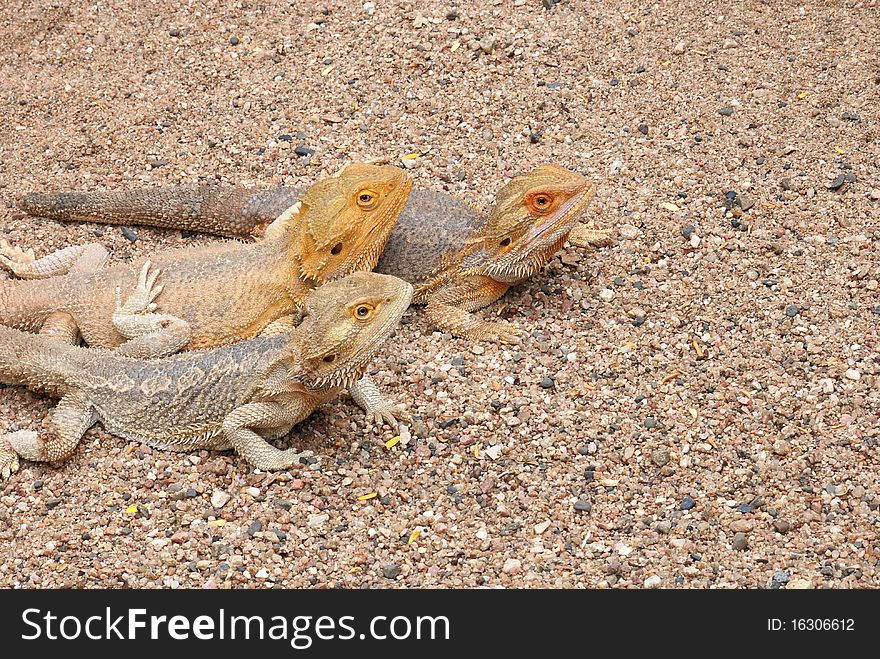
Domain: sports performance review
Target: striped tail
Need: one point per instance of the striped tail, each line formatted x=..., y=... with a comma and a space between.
x=222, y=211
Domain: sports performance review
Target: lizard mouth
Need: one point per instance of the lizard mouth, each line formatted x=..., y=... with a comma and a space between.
x=540, y=242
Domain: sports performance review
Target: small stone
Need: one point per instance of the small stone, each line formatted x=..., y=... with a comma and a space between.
x=482, y=533
x=837, y=183
x=391, y=570
x=875, y=194
x=799, y=584
x=180, y=537
x=744, y=202
x=606, y=294
x=534, y=138
x=660, y=456
x=729, y=43
x=643, y=129
x=687, y=503
x=742, y=526
x=653, y=582
x=792, y=310
x=629, y=232
x=650, y=422
x=233, y=41
x=679, y=48
x=478, y=350
x=174, y=32
x=664, y=526
x=494, y=451
x=687, y=231
x=315, y=521
x=219, y=499
x=51, y=503
x=129, y=234
x=511, y=566
x=487, y=134
x=487, y=45
x=695, y=240
x=547, y=383
x=740, y=542
x=262, y=574
x=304, y=151
x=254, y=527
x=726, y=111
x=781, y=526
x=583, y=506
x=780, y=579
x=543, y=526
x=852, y=374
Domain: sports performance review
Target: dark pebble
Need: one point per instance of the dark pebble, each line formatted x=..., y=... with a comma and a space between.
x=303, y=151
x=457, y=361
x=286, y=138
x=254, y=527
x=687, y=503
x=233, y=41
x=583, y=450
x=452, y=14
x=547, y=383
x=780, y=579
x=876, y=310
x=534, y=138
x=837, y=183
x=385, y=501
x=129, y=234
x=781, y=526
x=725, y=111
x=391, y=570
x=643, y=129
x=583, y=506
x=38, y=485
x=155, y=163
x=451, y=489
x=760, y=160
x=698, y=138
x=650, y=422
x=687, y=231
x=792, y=310
x=740, y=542
x=281, y=535
x=86, y=536
x=51, y=503
x=638, y=321
x=590, y=474
x=640, y=68
x=174, y=32
x=745, y=508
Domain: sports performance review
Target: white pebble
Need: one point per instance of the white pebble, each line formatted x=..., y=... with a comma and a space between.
x=543, y=526
x=512, y=566
x=220, y=498
x=629, y=232
x=606, y=294
x=852, y=374
x=263, y=573
x=653, y=581
x=482, y=534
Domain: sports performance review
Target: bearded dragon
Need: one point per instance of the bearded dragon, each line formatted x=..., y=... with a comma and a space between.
x=458, y=259
x=236, y=396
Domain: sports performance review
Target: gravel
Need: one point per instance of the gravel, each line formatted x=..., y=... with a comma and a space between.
x=94, y=99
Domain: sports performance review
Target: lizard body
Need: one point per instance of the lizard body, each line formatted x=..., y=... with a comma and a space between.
x=459, y=260
x=227, y=291
x=233, y=396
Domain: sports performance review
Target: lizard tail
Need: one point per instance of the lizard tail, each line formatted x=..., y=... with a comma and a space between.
x=222, y=211
x=24, y=304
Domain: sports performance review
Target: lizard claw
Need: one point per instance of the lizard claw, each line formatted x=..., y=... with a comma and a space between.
x=8, y=459
x=14, y=257
x=385, y=412
x=141, y=299
x=508, y=333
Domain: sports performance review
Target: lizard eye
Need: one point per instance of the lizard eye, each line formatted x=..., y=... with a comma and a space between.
x=329, y=359
x=336, y=249
x=541, y=202
x=505, y=241
x=363, y=311
x=367, y=200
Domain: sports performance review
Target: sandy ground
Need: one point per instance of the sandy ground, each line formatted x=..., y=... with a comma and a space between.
x=711, y=412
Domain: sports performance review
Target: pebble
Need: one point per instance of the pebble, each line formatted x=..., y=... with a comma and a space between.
x=740, y=542
x=781, y=525
x=129, y=234
x=875, y=194
x=304, y=151
x=606, y=294
x=583, y=506
x=837, y=183
x=629, y=232
x=780, y=579
x=233, y=41
x=254, y=527
x=852, y=374
x=679, y=48
x=660, y=456
x=391, y=570
x=547, y=383
x=219, y=499
x=262, y=574
x=643, y=129
x=543, y=526
x=664, y=526
x=687, y=503
x=650, y=422
x=512, y=566
x=653, y=582
x=687, y=231
x=725, y=111
x=315, y=521
x=792, y=310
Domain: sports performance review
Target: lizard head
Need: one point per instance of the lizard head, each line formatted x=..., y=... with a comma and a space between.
x=532, y=215
x=345, y=220
x=344, y=324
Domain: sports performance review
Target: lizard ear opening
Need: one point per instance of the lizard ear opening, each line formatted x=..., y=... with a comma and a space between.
x=336, y=249
x=329, y=359
x=505, y=241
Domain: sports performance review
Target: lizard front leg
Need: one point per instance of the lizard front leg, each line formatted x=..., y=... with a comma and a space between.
x=70, y=419
x=239, y=428
x=76, y=258
x=151, y=335
x=450, y=308
x=378, y=410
